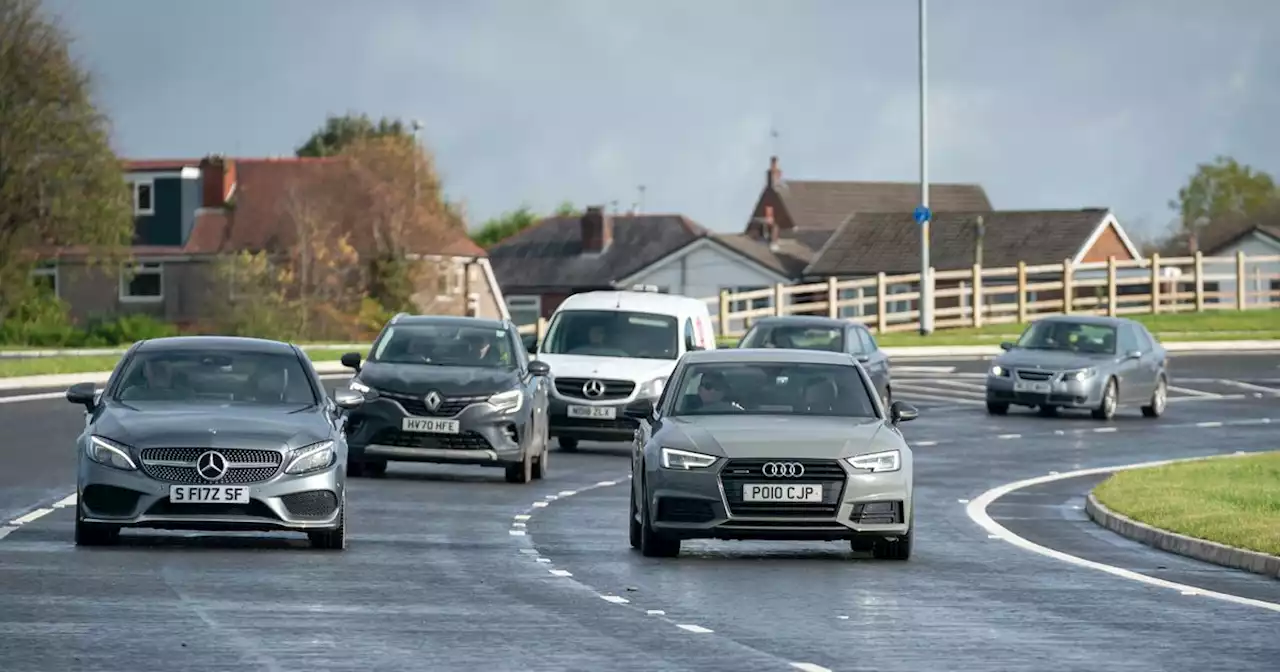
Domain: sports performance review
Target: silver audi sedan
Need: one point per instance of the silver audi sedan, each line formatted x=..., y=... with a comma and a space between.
x=771, y=444
x=212, y=433
x=1081, y=362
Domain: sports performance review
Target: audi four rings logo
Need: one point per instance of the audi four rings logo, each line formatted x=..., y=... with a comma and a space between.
x=593, y=388
x=211, y=466
x=783, y=469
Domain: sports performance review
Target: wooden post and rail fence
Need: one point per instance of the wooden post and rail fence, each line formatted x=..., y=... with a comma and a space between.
x=978, y=296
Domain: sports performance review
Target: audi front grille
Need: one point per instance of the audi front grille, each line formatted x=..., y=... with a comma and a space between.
x=178, y=465
x=613, y=389
x=828, y=473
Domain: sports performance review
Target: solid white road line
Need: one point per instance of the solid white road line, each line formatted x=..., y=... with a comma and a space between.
x=32, y=397
x=963, y=385
x=1249, y=386
x=977, y=512
x=923, y=369
x=4, y=531
x=910, y=393
x=810, y=667
x=694, y=628
x=30, y=516
x=1196, y=393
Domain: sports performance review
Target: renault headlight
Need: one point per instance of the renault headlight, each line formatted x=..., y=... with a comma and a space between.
x=509, y=401
x=683, y=459
x=652, y=389
x=110, y=453
x=1082, y=374
x=889, y=460
x=362, y=388
x=314, y=457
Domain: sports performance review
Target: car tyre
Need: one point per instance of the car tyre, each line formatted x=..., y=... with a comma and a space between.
x=541, y=468
x=994, y=408
x=335, y=539
x=862, y=545
x=897, y=549
x=1159, y=399
x=95, y=534
x=375, y=468
x=654, y=544
x=567, y=444
x=635, y=529
x=1048, y=410
x=355, y=469
x=1106, y=409
x=521, y=472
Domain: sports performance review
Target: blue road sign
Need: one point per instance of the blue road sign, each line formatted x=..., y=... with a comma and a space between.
x=922, y=214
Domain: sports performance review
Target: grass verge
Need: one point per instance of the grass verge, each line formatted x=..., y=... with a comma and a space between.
x=1232, y=501
x=43, y=366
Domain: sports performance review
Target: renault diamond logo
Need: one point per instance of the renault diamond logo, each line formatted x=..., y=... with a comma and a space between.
x=783, y=469
x=433, y=400
x=593, y=388
x=211, y=466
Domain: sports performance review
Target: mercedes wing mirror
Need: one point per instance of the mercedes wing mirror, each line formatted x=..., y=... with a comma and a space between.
x=85, y=394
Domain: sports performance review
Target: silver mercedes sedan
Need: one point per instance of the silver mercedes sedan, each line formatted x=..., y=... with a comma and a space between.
x=1081, y=362
x=771, y=444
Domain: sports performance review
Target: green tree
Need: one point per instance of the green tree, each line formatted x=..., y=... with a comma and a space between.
x=509, y=224
x=1221, y=191
x=60, y=182
x=340, y=131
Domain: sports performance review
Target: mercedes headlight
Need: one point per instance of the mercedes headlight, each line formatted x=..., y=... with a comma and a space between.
x=1082, y=374
x=314, y=457
x=683, y=459
x=652, y=389
x=110, y=453
x=1000, y=371
x=509, y=401
x=889, y=460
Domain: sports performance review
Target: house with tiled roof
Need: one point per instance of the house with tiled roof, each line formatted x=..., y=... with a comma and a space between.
x=1257, y=235
x=190, y=213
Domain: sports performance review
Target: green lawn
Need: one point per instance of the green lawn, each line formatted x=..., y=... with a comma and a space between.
x=1232, y=501
x=38, y=366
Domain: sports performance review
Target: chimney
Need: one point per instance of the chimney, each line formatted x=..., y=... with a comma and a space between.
x=219, y=176
x=597, y=229
x=770, y=226
x=775, y=173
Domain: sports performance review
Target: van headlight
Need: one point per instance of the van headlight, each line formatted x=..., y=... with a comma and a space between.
x=109, y=453
x=310, y=458
x=509, y=401
x=652, y=389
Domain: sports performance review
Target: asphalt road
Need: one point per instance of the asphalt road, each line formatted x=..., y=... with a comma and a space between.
x=452, y=568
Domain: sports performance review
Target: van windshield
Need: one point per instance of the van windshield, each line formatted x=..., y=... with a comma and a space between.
x=612, y=333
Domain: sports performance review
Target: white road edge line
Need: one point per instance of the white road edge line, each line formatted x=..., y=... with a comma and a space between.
x=694, y=628
x=1196, y=393
x=1249, y=386
x=810, y=667
x=31, y=516
x=977, y=512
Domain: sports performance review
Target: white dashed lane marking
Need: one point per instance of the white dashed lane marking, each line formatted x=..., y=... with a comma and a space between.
x=694, y=628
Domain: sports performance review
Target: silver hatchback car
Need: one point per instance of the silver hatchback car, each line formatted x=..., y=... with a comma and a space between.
x=212, y=433
x=1081, y=362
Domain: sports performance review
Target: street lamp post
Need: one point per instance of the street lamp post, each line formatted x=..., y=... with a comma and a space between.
x=926, y=278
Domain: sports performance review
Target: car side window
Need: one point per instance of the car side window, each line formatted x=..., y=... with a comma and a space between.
x=853, y=341
x=1144, y=340
x=518, y=351
x=690, y=337
x=868, y=343
x=871, y=340
x=1128, y=341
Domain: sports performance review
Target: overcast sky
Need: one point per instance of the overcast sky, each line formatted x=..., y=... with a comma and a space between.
x=1046, y=103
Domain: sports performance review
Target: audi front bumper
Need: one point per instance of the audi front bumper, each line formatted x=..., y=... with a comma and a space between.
x=306, y=502
x=710, y=504
x=477, y=434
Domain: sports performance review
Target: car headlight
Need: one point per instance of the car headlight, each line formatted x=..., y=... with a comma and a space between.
x=683, y=459
x=889, y=460
x=997, y=370
x=110, y=453
x=652, y=388
x=509, y=401
x=1082, y=374
x=362, y=388
x=311, y=458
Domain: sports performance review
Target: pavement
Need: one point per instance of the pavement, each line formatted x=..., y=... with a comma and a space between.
x=450, y=568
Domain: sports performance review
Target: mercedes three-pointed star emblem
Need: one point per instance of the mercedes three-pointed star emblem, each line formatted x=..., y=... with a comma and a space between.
x=432, y=400
x=593, y=388
x=211, y=466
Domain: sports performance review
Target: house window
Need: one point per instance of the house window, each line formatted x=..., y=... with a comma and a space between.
x=144, y=197
x=142, y=283
x=898, y=306
x=524, y=309
x=45, y=277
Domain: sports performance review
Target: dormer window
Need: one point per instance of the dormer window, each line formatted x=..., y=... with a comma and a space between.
x=144, y=197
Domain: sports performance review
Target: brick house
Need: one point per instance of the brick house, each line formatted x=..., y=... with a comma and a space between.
x=190, y=213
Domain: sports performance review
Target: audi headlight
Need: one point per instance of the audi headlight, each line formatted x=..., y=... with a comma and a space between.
x=1000, y=371
x=110, y=453
x=653, y=389
x=683, y=459
x=509, y=401
x=889, y=460
x=310, y=458
x=1082, y=374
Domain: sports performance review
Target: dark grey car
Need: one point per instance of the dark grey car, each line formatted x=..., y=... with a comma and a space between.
x=455, y=390
x=1084, y=362
x=812, y=332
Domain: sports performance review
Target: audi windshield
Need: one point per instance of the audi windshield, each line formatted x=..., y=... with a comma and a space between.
x=612, y=333
x=210, y=376
x=774, y=388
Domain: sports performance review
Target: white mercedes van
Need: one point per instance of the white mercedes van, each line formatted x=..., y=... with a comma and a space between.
x=608, y=348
